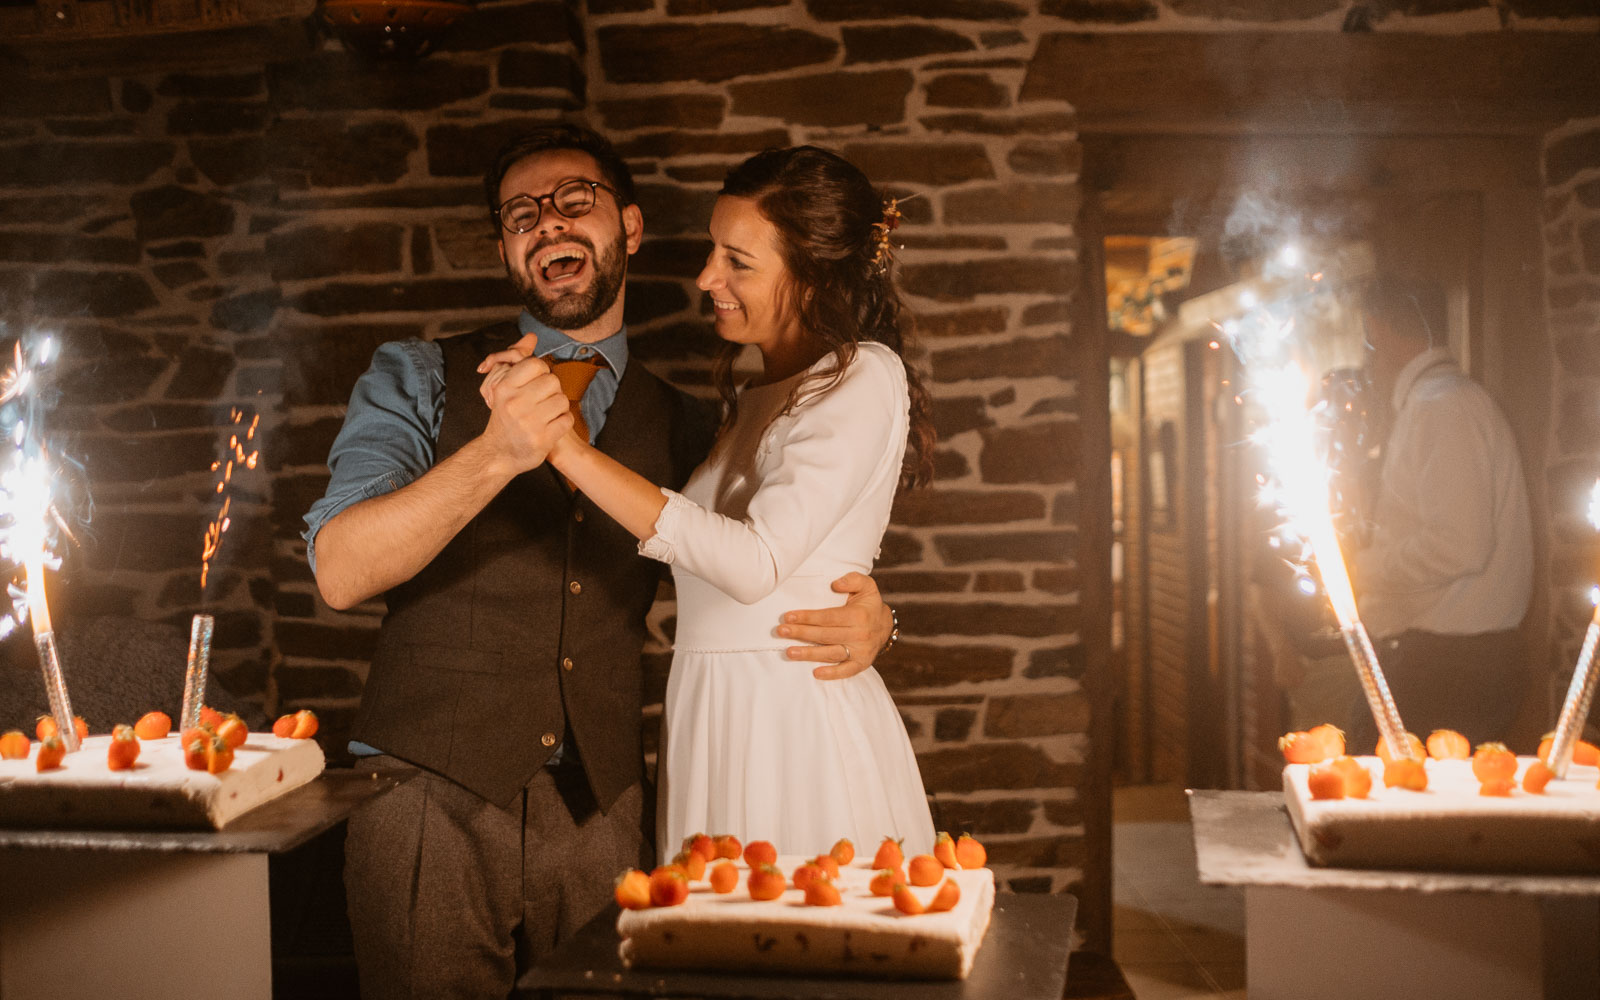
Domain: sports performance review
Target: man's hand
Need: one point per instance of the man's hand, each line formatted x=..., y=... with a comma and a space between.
x=528, y=412
x=845, y=639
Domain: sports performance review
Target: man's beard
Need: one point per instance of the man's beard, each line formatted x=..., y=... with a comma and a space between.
x=574, y=310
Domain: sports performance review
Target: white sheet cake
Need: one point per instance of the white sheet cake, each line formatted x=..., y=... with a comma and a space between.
x=1449, y=826
x=866, y=936
x=158, y=792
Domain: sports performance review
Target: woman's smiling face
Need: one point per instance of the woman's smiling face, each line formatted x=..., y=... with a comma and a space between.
x=746, y=277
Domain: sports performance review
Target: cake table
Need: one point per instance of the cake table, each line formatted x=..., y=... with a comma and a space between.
x=1350, y=933
x=128, y=914
x=1023, y=957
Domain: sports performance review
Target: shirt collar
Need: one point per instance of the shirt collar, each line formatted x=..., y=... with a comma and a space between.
x=552, y=341
x=1413, y=370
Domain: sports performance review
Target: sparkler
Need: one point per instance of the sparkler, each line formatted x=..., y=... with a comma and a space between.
x=1295, y=445
x=30, y=526
x=194, y=677
x=1580, y=693
x=202, y=625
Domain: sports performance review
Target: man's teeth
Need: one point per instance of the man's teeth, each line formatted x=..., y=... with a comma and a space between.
x=555, y=255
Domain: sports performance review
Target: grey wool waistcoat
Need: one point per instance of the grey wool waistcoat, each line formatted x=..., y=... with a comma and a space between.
x=526, y=630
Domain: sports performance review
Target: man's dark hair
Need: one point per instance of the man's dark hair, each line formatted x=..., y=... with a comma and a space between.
x=547, y=138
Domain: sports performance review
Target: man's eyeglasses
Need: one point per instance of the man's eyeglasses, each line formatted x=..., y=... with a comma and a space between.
x=572, y=200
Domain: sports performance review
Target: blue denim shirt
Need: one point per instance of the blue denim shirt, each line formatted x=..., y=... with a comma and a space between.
x=392, y=424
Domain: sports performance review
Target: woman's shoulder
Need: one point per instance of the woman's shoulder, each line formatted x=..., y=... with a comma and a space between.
x=874, y=381
x=875, y=364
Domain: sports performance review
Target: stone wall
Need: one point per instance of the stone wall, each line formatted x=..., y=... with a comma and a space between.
x=1572, y=304
x=209, y=240
x=206, y=241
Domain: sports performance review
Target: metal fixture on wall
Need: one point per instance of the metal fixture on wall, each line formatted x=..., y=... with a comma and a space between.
x=391, y=28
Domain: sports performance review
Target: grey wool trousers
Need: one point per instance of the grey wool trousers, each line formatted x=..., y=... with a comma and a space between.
x=453, y=897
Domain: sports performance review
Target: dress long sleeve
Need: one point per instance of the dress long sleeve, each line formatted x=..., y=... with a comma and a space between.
x=823, y=456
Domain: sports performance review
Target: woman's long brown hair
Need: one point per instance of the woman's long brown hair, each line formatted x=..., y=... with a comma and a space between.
x=841, y=287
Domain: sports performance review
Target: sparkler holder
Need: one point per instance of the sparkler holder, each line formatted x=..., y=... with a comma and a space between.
x=55, y=687
x=1575, y=710
x=1373, y=685
x=194, y=679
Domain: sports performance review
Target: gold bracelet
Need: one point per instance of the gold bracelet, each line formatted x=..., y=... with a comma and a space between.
x=894, y=631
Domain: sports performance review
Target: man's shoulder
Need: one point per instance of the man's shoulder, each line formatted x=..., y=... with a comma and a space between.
x=1452, y=388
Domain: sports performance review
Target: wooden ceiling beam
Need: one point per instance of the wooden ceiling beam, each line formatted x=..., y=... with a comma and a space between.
x=1238, y=83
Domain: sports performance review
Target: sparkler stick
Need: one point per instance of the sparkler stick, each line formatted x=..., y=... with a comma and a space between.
x=194, y=679
x=1580, y=692
x=44, y=643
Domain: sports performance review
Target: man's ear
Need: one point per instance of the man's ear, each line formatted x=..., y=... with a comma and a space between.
x=633, y=227
x=500, y=245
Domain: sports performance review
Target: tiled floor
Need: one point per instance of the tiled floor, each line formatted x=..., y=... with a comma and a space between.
x=1173, y=937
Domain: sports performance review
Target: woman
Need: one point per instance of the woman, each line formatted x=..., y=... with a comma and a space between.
x=795, y=493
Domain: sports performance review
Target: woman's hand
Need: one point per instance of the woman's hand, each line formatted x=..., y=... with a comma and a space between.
x=496, y=367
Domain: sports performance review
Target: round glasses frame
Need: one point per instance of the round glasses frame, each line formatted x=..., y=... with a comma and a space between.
x=570, y=189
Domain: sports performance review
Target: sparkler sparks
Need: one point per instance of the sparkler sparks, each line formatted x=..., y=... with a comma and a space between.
x=31, y=525
x=237, y=457
x=1296, y=438
x=240, y=454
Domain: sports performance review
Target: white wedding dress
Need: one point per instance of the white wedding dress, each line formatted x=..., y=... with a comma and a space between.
x=751, y=743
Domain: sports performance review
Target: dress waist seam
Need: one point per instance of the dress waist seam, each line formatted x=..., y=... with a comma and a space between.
x=776, y=647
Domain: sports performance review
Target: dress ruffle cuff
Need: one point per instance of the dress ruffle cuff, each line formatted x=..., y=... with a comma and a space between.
x=662, y=546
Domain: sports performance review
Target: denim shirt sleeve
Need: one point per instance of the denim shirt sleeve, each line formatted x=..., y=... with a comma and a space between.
x=389, y=433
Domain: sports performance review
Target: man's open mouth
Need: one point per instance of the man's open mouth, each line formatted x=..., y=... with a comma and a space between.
x=561, y=265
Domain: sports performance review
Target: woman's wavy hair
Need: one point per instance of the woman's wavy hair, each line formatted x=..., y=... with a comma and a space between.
x=841, y=282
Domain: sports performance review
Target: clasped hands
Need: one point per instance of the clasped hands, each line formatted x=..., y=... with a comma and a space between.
x=529, y=415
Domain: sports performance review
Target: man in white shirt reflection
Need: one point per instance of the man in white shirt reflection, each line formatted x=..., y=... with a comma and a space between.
x=1447, y=576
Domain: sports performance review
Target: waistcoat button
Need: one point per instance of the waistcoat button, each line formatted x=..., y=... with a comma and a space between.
x=575, y=587
x=577, y=515
x=548, y=739
x=566, y=663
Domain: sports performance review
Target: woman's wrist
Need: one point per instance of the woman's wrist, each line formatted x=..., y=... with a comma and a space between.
x=564, y=450
x=894, y=632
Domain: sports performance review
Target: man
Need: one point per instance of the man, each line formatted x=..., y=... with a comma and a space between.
x=507, y=667
x=1447, y=577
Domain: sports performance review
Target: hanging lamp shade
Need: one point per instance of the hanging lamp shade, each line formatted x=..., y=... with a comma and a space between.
x=391, y=28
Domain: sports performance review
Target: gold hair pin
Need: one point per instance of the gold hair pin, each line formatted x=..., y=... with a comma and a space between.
x=884, y=249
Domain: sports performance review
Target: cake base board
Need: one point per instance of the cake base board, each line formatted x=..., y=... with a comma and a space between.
x=1450, y=827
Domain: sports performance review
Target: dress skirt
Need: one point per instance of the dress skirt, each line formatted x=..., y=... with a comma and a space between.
x=761, y=749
